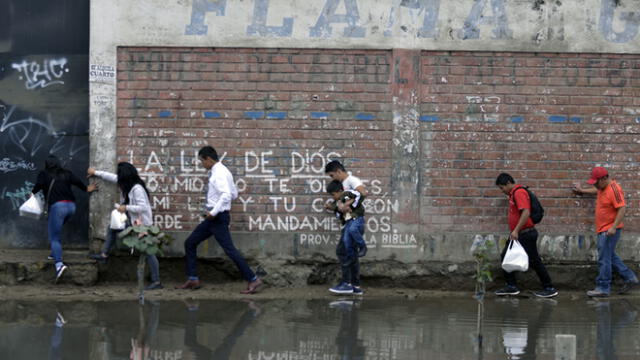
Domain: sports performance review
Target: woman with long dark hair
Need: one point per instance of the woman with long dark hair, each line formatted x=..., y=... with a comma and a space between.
x=55, y=182
x=134, y=201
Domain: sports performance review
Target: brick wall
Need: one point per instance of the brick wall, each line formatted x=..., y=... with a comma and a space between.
x=278, y=115
x=544, y=118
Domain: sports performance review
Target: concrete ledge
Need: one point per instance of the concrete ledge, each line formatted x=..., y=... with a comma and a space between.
x=32, y=267
x=20, y=267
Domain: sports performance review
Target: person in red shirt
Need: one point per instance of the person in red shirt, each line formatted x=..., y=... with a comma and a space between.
x=522, y=229
x=610, y=209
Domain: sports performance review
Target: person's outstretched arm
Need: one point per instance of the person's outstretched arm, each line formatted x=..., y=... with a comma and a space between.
x=579, y=190
x=104, y=175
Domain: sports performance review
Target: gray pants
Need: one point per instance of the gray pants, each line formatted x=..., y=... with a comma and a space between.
x=152, y=260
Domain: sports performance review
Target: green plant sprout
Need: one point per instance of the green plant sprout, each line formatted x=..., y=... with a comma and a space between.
x=146, y=240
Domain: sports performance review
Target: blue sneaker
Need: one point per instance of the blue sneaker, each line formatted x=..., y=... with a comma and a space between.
x=357, y=290
x=59, y=272
x=342, y=288
x=508, y=290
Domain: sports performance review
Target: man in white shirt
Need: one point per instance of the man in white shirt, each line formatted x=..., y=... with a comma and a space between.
x=221, y=190
x=349, y=247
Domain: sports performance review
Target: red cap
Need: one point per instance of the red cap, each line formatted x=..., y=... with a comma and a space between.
x=597, y=173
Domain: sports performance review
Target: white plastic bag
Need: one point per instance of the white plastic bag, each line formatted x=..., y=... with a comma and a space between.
x=33, y=207
x=118, y=219
x=516, y=259
x=515, y=341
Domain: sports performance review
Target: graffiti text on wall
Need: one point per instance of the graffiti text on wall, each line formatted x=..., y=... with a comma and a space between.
x=7, y=165
x=41, y=74
x=19, y=195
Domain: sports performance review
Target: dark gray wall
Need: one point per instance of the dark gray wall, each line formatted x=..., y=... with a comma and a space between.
x=44, y=109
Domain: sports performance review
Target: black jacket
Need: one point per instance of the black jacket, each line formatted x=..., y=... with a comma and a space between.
x=61, y=189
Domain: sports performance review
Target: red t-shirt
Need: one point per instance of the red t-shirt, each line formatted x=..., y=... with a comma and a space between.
x=518, y=201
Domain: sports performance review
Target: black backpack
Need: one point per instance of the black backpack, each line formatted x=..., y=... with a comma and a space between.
x=537, y=211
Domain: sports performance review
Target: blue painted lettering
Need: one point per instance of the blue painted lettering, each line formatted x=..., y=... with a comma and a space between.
x=199, y=9
x=259, y=24
x=430, y=8
x=429, y=25
x=630, y=31
x=501, y=30
x=329, y=16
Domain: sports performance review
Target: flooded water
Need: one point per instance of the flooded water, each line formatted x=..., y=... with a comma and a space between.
x=334, y=328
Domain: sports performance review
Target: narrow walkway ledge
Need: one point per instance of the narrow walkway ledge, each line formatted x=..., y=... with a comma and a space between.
x=32, y=267
x=231, y=291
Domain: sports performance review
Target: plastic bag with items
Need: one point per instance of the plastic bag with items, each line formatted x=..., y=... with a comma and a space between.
x=516, y=259
x=33, y=207
x=118, y=219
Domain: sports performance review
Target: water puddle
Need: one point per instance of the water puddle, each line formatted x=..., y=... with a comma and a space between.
x=329, y=329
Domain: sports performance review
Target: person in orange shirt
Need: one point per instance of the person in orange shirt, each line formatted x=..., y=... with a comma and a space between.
x=610, y=209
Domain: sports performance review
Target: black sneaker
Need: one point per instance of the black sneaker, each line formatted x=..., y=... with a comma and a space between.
x=546, y=293
x=99, y=258
x=154, y=286
x=508, y=290
x=628, y=286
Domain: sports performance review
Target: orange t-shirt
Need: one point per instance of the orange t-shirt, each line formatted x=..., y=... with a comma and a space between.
x=609, y=200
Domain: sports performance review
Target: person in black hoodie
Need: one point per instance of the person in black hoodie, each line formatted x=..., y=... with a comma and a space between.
x=55, y=182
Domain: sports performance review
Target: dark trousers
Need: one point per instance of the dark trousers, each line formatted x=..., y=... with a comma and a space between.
x=219, y=228
x=349, y=262
x=529, y=240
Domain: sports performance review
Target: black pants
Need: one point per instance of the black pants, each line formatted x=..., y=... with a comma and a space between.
x=219, y=228
x=528, y=240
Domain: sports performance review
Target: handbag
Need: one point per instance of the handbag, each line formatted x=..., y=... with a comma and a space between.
x=515, y=259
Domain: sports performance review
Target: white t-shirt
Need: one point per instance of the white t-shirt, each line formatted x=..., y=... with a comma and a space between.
x=351, y=183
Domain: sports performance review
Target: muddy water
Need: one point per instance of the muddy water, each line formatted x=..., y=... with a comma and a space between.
x=319, y=329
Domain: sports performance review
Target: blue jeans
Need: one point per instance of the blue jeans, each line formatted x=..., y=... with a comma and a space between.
x=56, y=341
x=352, y=235
x=219, y=228
x=608, y=260
x=152, y=260
x=349, y=261
x=59, y=213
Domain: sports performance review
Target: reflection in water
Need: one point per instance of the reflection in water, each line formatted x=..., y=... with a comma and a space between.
x=609, y=325
x=349, y=345
x=223, y=351
x=520, y=339
x=447, y=328
x=141, y=345
x=56, y=338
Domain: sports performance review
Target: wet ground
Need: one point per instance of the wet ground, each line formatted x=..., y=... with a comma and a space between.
x=384, y=324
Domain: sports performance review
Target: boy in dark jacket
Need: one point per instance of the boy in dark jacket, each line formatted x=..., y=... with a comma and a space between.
x=348, y=207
